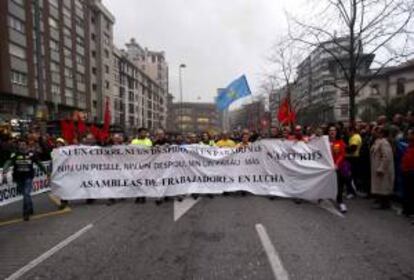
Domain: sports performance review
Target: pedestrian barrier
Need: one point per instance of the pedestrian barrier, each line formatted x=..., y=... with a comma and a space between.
x=9, y=192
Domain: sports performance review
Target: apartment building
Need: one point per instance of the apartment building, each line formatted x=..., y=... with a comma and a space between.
x=100, y=33
x=153, y=63
x=137, y=100
x=64, y=51
x=319, y=92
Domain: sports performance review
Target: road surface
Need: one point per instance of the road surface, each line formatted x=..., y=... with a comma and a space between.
x=231, y=237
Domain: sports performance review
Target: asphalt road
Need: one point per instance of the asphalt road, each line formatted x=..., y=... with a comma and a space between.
x=216, y=239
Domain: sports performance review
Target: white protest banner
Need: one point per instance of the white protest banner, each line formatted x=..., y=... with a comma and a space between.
x=268, y=167
x=9, y=192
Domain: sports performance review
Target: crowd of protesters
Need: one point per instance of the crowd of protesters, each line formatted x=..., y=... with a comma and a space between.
x=373, y=160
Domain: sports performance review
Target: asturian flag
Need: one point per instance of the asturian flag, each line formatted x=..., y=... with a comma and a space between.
x=237, y=89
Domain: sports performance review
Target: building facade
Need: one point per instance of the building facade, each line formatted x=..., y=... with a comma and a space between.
x=137, y=100
x=252, y=116
x=153, y=63
x=193, y=117
x=385, y=90
x=319, y=93
x=63, y=34
x=100, y=33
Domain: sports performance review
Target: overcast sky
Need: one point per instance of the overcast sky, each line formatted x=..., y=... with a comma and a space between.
x=218, y=40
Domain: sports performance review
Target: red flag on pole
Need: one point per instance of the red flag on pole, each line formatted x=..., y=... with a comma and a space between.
x=107, y=121
x=285, y=114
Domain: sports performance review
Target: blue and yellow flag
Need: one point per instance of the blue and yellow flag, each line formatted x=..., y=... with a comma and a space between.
x=237, y=89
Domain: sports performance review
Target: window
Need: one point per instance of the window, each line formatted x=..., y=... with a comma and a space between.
x=78, y=4
x=66, y=12
x=344, y=110
x=93, y=53
x=19, y=2
x=94, y=70
x=19, y=78
x=54, y=67
x=54, y=3
x=67, y=52
x=203, y=120
x=94, y=87
x=93, y=20
x=375, y=90
x=106, y=69
x=79, y=41
x=79, y=22
x=106, y=53
x=401, y=86
x=16, y=24
x=80, y=77
x=15, y=50
x=55, y=89
x=107, y=40
x=107, y=84
x=80, y=59
x=53, y=23
x=69, y=95
x=131, y=108
x=54, y=45
x=66, y=32
x=68, y=73
x=93, y=36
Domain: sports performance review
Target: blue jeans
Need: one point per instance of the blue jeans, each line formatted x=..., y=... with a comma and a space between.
x=25, y=187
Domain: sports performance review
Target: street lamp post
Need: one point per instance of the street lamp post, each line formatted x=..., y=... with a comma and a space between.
x=181, y=94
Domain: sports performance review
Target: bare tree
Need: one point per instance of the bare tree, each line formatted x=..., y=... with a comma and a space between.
x=360, y=30
x=285, y=57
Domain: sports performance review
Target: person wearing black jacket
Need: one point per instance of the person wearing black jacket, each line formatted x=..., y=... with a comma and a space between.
x=23, y=161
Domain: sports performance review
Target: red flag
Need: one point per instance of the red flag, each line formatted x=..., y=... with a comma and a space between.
x=107, y=118
x=285, y=114
x=63, y=128
x=95, y=131
x=71, y=130
x=81, y=125
x=68, y=130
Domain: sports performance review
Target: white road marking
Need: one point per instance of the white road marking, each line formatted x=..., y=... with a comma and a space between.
x=276, y=264
x=328, y=206
x=48, y=254
x=180, y=208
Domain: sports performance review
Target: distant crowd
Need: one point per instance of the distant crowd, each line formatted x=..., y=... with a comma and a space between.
x=372, y=160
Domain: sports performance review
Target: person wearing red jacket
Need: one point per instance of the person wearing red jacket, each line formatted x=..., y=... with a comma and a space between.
x=407, y=167
x=338, y=154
